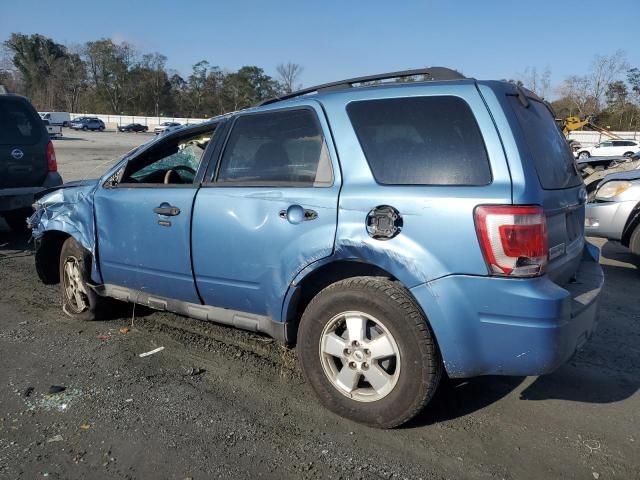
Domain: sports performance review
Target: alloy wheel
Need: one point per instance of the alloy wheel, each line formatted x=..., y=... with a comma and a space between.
x=74, y=288
x=359, y=356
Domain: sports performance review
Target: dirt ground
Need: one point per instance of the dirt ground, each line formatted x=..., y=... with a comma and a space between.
x=222, y=403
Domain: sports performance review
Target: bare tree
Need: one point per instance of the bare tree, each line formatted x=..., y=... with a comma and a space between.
x=605, y=69
x=576, y=89
x=538, y=82
x=587, y=92
x=155, y=64
x=288, y=74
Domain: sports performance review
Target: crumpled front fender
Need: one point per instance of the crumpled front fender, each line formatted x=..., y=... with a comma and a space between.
x=68, y=210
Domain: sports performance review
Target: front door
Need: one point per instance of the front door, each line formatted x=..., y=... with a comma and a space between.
x=144, y=218
x=269, y=212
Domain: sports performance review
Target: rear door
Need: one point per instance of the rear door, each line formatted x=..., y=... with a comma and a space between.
x=546, y=155
x=23, y=142
x=270, y=211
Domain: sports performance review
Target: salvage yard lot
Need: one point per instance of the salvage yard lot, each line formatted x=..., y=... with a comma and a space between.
x=218, y=402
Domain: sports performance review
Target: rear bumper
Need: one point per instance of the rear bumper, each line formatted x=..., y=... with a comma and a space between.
x=23, y=197
x=498, y=326
x=607, y=219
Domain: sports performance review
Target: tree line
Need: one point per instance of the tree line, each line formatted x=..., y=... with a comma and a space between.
x=609, y=92
x=104, y=76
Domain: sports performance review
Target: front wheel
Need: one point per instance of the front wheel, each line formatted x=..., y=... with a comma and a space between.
x=627, y=154
x=583, y=155
x=368, y=353
x=85, y=128
x=78, y=299
x=101, y=129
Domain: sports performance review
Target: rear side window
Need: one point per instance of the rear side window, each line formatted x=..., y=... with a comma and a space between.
x=421, y=141
x=19, y=123
x=549, y=150
x=277, y=148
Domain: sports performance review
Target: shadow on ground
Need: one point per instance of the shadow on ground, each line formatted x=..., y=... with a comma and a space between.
x=66, y=139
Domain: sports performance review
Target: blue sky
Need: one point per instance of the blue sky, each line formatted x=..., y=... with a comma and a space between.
x=339, y=39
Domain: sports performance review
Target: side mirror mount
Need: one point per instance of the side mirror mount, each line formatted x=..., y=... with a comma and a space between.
x=115, y=179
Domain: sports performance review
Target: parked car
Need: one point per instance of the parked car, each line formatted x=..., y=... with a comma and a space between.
x=163, y=126
x=614, y=212
x=133, y=127
x=61, y=119
x=592, y=176
x=609, y=148
x=53, y=130
x=27, y=159
x=87, y=123
x=447, y=236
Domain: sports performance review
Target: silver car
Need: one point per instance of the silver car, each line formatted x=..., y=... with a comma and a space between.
x=614, y=212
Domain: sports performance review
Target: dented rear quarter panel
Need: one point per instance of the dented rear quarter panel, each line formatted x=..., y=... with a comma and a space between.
x=438, y=236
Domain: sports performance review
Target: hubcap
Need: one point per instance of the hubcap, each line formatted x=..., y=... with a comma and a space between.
x=359, y=356
x=74, y=286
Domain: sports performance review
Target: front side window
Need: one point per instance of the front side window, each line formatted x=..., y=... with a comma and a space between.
x=276, y=148
x=173, y=161
x=421, y=141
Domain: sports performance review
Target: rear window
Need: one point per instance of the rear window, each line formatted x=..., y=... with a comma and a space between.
x=19, y=124
x=549, y=149
x=421, y=141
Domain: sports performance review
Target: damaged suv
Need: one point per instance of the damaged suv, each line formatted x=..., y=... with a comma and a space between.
x=392, y=232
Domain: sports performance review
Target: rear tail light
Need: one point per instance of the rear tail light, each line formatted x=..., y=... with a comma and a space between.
x=52, y=165
x=513, y=239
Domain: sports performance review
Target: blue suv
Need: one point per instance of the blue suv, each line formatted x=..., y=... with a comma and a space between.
x=391, y=231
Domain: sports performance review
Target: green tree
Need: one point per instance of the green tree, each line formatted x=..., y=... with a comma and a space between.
x=109, y=65
x=37, y=58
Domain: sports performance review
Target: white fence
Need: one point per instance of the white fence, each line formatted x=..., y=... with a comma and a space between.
x=151, y=122
x=587, y=138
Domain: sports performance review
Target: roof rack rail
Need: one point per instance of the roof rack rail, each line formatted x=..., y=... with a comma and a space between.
x=433, y=73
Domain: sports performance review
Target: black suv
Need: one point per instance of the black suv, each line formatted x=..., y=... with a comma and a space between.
x=27, y=159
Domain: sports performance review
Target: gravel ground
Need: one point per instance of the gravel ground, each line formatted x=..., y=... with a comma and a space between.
x=222, y=403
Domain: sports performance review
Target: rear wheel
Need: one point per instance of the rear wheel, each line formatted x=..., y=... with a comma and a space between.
x=368, y=352
x=85, y=128
x=627, y=154
x=583, y=155
x=17, y=219
x=78, y=299
x=634, y=241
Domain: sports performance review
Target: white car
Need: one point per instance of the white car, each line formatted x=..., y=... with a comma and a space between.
x=57, y=118
x=610, y=148
x=163, y=126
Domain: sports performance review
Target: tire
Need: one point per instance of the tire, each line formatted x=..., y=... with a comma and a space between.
x=79, y=301
x=101, y=129
x=583, y=154
x=634, y=241
x=627, y=154
x=412, y=366
x=85, y=128
x=17, y=219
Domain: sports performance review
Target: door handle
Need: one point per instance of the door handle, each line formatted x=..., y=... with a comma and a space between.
x=167, y=210
x=296, y=214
